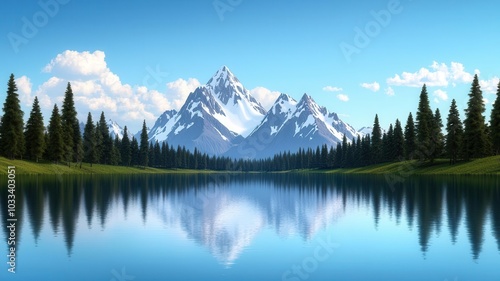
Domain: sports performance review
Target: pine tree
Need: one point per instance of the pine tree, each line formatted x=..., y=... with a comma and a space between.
x=425, y=124
x=89, y=142
x=134, y=152
x=388, y=145
x=35, y=133
x=410, y=138
x=116, y=157
x=99, y=146
x=437, y=135
x=476, y=142
x=55, y=145
x=125, y=148
x=495, y=124
x=376, y=145
x=12, y=125
x=71, y=128
x=144, y=146
x=107, y=141
x=398, y=142
x=454, y=134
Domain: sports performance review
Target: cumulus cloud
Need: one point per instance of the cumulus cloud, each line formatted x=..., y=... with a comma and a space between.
x=440, y=95
x=390, y=91
x=265, y=96
x=343, y=97
x=180, y=89
x=73, y=63
x=332, y=89
x=489, y=86
x=96, y=88
x=24, y=87
x=438, y=74
x=374, y=87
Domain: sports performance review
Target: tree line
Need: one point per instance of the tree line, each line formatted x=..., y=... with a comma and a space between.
x=420, y=139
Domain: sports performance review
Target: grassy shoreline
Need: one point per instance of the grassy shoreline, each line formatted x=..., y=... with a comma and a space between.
x=484, y=166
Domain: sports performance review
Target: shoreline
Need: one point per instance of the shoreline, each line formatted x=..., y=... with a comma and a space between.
x=483, y=166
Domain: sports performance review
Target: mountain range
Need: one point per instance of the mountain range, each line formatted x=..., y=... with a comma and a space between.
x=223, y=118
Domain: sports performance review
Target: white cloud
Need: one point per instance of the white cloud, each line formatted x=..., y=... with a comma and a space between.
x=374, y=87
x=180, y=89
x=343, y=97
x=72, y=63
x=24, y=87
x=486, y=101
x=96, y=88
x=390, y=91
x=332, y=89
x=265, y=96
x=440, y=95
x=438, y=75
x=489, y=86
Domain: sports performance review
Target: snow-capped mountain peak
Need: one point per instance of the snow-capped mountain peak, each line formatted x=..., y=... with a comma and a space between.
x=115, y=129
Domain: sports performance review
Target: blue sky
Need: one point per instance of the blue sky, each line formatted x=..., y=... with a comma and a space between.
x=135, y=59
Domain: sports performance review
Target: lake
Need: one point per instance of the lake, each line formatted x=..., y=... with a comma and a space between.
x=253, y=227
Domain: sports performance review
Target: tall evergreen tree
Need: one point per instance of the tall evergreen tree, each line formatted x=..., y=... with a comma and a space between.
x=144, y=146
x=99, y=146
x=454, y=134
x=35, y=133
x=376, y=138
x=55, y=145
x=89, y=142
x=410, y=138
x=134, y=152
x=107, y=141
x=115, y=157
x=71, y=128
x=12, y=125
x=398, y=142
x=437, y=135
x=425, y=124
x=125, y=148
x=495, y=124
x=476, y=142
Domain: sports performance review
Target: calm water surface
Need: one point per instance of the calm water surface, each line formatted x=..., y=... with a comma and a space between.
x=253, y=227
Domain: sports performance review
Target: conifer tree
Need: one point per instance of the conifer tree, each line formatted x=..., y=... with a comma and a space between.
x=35, y=133
x=125, y=148
x=144, y=146
x=55, y=146
x=107, y=141
x=89, y=142
x=495, y=124
x=376, y=138
x=71, y=128
x=437, y=135
x=115, y=152
x=399, y=142
x=12, y=125
x=134, y=152
x=99, y=147
x=476, y=141
x=454, y=134
x=425, y=124
x=410, y=138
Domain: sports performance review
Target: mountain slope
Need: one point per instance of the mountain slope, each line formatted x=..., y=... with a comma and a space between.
x=214, y=117
x=290, y=125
